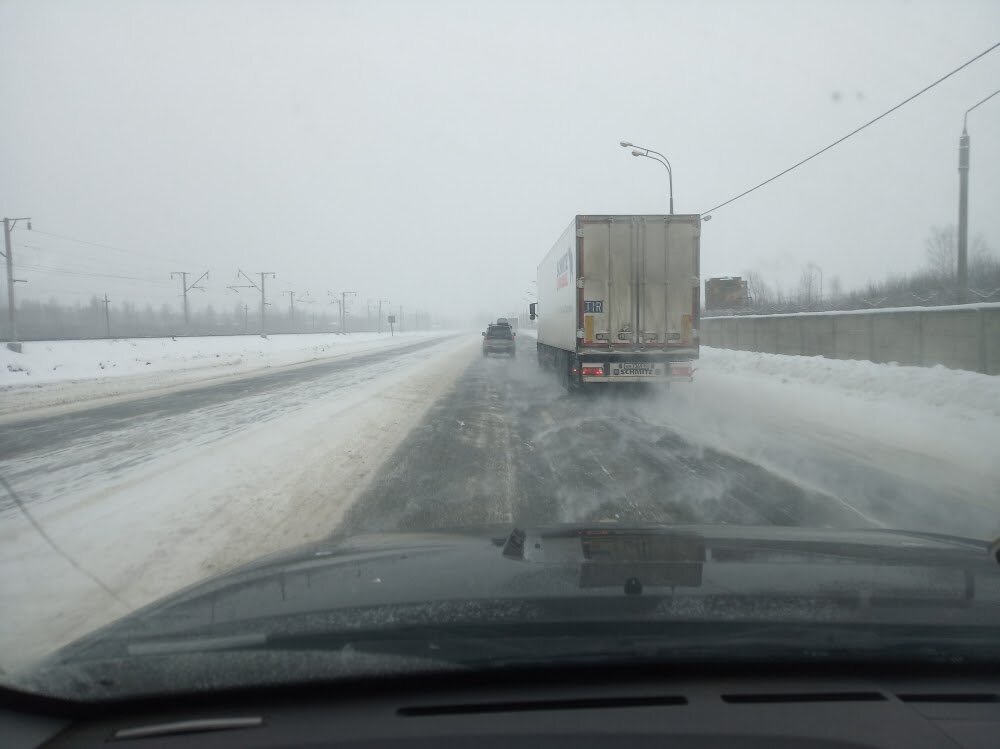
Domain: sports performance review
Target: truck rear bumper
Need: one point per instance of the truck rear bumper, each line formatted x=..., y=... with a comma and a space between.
x=658, y=373
x=666, y=380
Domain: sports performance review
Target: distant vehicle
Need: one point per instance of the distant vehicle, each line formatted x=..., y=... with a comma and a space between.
x=726, y=294
x=618, y=300
x=503, y=321
x=499, y=339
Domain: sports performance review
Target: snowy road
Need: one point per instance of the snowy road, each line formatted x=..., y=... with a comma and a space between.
x=139, y=498
x=509, y=445
x=50, y=457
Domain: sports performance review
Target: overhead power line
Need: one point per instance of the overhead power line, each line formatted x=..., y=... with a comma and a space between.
x=87, y=274
x=138, y=253
x=854, y=132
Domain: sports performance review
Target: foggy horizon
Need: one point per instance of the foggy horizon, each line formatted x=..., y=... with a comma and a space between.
x=431, y=154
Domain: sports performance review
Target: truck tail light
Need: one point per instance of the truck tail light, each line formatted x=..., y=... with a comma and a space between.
x=593, y=371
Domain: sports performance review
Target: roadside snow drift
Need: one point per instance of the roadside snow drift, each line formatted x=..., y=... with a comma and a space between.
x=51, y=373
x=948, y=391
x=148, y=507
x=904, y=447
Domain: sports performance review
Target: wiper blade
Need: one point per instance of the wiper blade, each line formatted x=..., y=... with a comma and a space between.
x=498, y=645
x=197, y=644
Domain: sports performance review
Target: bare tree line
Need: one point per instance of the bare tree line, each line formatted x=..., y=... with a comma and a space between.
x=933, y=284
x=53, y=319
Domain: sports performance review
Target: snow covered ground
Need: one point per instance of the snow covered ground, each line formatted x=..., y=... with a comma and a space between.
x=144, y=509
x=905, y=447
x=956, y=394
x=51, y=373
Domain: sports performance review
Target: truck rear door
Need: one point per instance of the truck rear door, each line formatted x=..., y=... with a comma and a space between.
x=640, y=281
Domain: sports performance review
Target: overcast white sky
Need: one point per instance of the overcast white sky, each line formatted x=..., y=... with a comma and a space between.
x=431, y=152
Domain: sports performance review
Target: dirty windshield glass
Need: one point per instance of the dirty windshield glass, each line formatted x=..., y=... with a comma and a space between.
x=347, y=339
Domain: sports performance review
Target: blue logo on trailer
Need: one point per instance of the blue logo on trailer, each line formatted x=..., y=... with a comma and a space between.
x=595, y=307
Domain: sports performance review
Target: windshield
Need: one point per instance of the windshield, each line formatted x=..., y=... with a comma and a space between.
x=335, y=331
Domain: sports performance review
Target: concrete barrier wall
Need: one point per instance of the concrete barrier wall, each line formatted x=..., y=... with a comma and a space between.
x=960, y=337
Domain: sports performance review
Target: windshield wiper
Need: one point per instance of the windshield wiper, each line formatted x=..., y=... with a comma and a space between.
x=479, y=645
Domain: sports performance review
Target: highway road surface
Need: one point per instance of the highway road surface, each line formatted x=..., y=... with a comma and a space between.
x=119, y=504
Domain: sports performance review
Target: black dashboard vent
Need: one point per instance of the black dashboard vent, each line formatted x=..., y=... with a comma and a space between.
x=533, y=705
x=804, y=697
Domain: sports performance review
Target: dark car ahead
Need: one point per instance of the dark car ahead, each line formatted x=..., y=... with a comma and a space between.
x=499, y=339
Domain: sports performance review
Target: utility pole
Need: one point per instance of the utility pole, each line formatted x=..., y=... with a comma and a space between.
x=291, y=313
x=246, y=317
x=263, y=294
x=8, y=227
x=340, y=303
x=401, y=318
x=185, y=289
x=963, y=203
x=343, y=309
x=380, y=313
x=107, y=314
x=963, y=215
x=368, y=319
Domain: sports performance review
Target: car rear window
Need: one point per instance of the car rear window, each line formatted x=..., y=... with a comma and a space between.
x=499, y=331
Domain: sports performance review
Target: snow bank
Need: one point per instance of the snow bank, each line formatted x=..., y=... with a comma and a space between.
x=875, y=310
x=956, y=391
x=227, y=492
x=52, y=361
x=59, y=373
x=903, y=447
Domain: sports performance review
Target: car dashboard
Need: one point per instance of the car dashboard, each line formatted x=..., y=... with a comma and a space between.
x=580, y=708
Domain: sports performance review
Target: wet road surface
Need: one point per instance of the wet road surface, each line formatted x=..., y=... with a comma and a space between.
x=509, y=445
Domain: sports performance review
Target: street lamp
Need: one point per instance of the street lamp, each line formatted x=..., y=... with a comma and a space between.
x=643, y=151
x=963, y=203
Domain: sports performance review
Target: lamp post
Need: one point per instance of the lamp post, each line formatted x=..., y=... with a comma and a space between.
x=963, y=204
x=657, y=156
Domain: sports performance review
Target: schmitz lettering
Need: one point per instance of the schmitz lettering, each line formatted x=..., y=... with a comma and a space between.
x=635, y=368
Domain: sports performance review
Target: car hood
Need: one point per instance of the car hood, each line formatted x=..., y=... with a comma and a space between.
x=412, y=590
